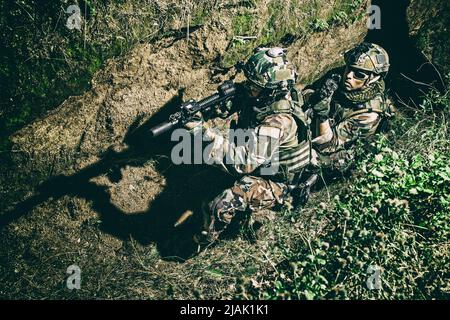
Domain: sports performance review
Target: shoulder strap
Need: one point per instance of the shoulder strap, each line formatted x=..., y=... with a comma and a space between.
x=382, y=109
x=360, y=111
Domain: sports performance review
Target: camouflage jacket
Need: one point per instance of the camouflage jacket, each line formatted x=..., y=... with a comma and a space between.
x=267, y=142
x=352, y=116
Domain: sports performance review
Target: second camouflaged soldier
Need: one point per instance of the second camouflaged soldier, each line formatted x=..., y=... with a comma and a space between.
x=353, y=108
x=275, y=152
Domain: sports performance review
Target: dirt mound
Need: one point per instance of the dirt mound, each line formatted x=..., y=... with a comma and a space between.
x=76, y=200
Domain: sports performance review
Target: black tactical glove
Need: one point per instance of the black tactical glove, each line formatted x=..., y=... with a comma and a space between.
x=329, y=87
x=224, y=110
x=322, y=107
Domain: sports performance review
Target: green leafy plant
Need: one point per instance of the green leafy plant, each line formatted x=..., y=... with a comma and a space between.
x=394, y=217
x=319, y=25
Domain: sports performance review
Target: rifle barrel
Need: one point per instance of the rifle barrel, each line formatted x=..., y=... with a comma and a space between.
x=225, y=92
x=161, y=128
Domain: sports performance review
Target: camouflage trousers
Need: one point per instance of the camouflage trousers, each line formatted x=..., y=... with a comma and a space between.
x=247, y=194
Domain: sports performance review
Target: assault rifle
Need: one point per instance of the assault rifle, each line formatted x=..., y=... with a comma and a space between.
x=188, y=110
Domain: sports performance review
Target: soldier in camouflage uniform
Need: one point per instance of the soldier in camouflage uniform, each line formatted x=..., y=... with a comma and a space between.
x=276, y=152
x=351, y=109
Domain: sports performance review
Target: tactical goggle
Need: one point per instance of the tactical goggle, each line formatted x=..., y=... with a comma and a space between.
x=358, y=74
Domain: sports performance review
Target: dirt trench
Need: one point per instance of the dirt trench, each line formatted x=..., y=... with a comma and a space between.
x=85, y=185
x=71, y=198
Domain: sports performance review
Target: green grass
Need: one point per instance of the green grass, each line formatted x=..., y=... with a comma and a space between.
x=344, y=12
x=243, y=23
x=43, y=62
x=394, y=215
x=293, y=18
x=393, y=212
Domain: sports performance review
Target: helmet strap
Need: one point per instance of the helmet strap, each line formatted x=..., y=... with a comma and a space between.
x=372, y=79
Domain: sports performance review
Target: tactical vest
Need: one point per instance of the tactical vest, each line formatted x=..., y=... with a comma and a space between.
x=343, y=109
x=295, y=153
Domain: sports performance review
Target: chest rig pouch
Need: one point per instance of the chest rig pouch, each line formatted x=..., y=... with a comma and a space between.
x=295, y=152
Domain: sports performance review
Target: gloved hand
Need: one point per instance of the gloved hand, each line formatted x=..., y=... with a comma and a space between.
x=224, y=110
x=195, y=122
x=322, y=107
x=329, y=87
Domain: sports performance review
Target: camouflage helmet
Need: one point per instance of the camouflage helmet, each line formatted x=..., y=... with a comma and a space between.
x=268, y=68
x=368, y=57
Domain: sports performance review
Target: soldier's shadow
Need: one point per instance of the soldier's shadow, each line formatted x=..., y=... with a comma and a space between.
x=186, y=186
